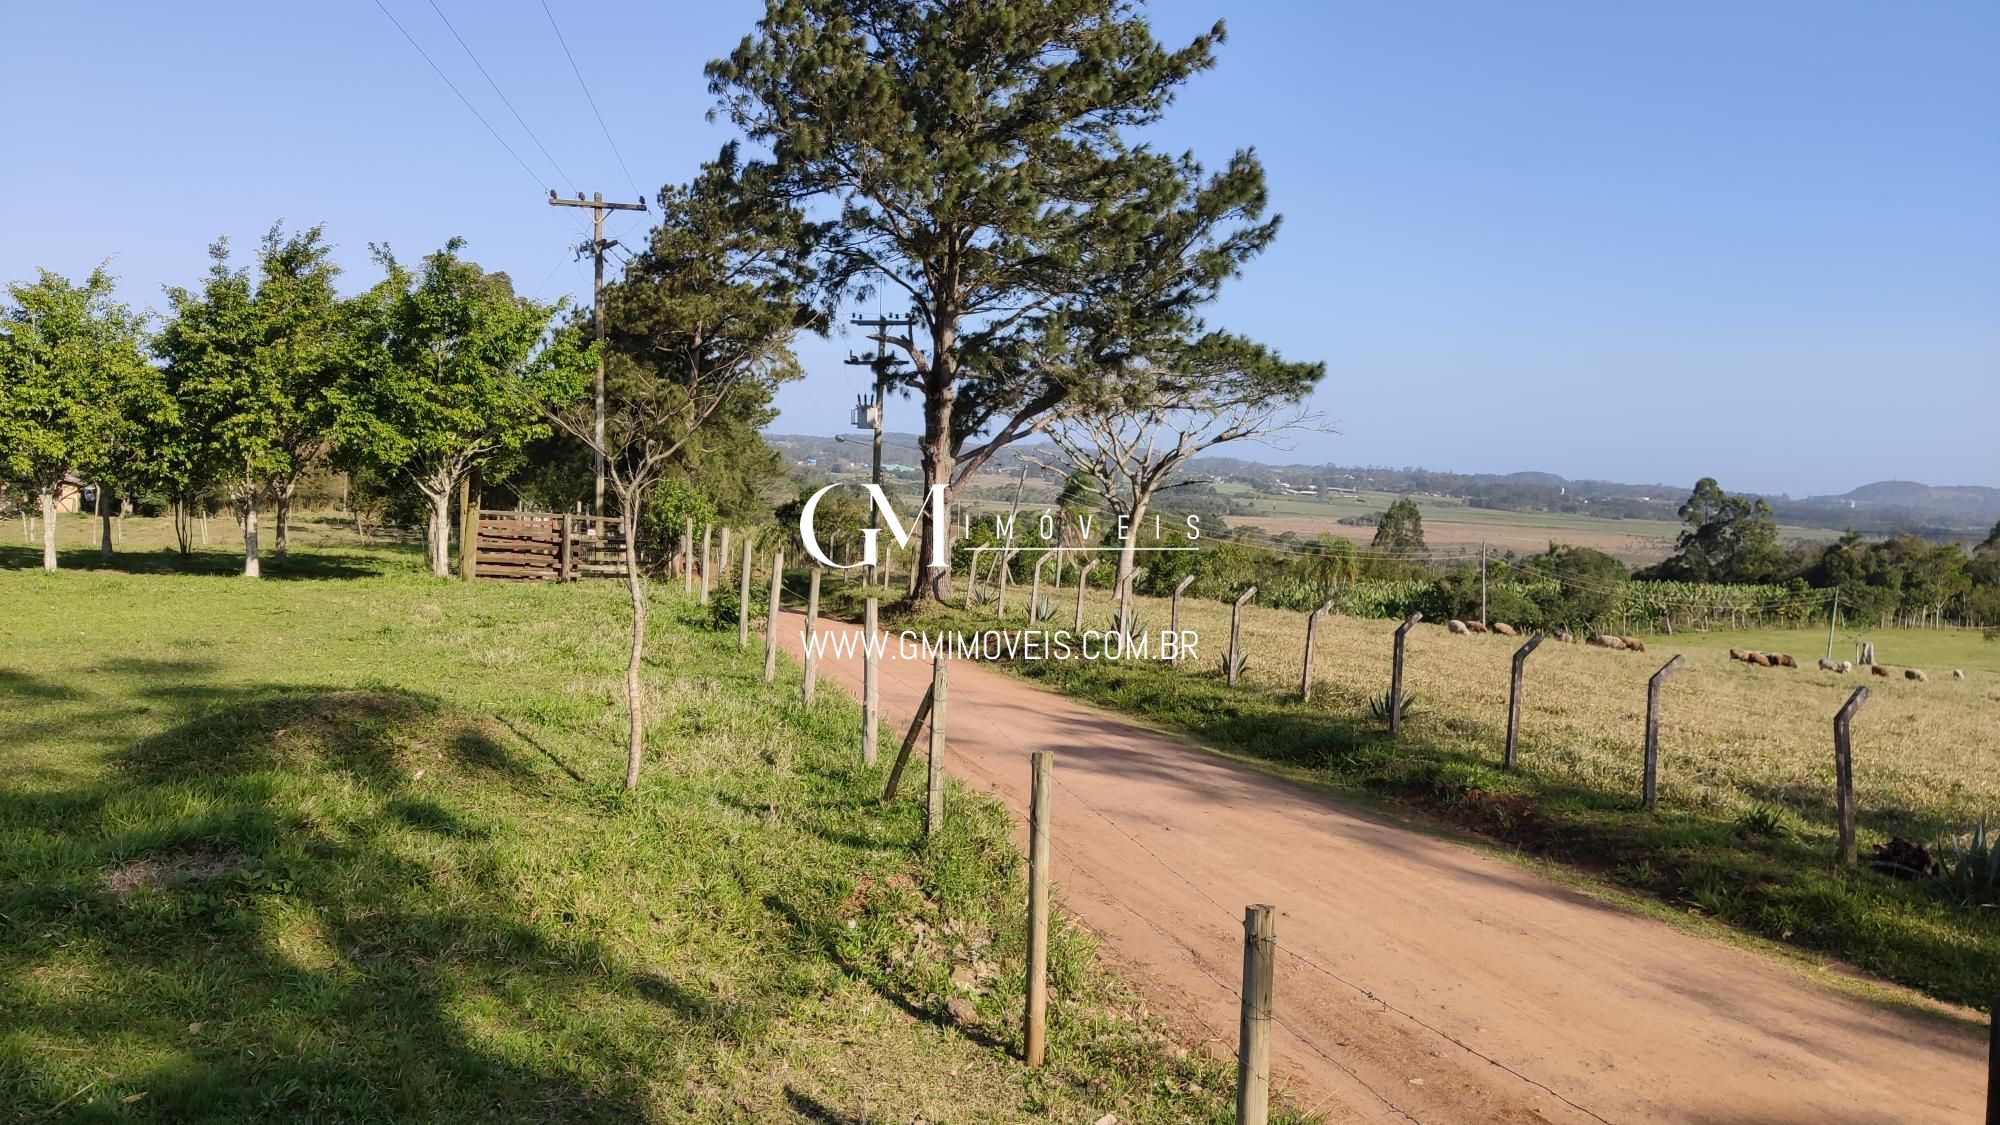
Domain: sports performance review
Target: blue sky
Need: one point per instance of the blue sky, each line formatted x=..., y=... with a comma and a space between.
x=1641, y=242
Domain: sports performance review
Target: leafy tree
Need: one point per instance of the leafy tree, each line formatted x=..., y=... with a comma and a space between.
x=1586, y=585
x=456, y=373
x=1729, y=538
x=251, y=365
x=708, y=310
x=1992, y=542
x=1400, y=530
x=981, y=162
x=71, y=361
x=1332, y=564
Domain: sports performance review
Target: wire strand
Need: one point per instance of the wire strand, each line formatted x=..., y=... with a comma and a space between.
x=578, y=71
x=518, y=119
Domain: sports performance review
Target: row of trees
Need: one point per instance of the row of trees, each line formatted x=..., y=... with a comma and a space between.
x=261, y=374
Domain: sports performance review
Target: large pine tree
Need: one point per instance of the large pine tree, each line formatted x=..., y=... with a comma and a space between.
x=982, y=163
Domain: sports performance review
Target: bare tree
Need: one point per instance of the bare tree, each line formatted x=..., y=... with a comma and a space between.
x=708, y=312
x=1131, y=436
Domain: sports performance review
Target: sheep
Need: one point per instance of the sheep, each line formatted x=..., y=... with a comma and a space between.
x=1826, y=665
x=1760, y=660
x=1916, y=674
x=1606, y=640
x=1742, y=654
x=1958, y=673
x=1456, y=626
x=1505, y=630
x=1474, y=627
x=1846, y=666
x=1878, y=670
x=1634, y=643
x=1781, y=660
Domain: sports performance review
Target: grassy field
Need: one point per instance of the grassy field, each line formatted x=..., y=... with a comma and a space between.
x=1453, y=525
x=348, y=844
x=1745, y=829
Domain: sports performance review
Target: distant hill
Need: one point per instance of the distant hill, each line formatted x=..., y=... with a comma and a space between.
x=1969, y=507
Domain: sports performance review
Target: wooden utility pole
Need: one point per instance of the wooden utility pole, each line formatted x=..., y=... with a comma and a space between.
x=1482, y=586
x=871, y=679
x=880, y=362
x=598, y=245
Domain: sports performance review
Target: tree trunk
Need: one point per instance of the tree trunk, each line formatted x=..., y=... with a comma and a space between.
x=246, y=512
x=1128, y=550
x=284, y=518
x=635, y=746
x=48, y=529
x=938, y=460
x=103, y=524
x=440, y=531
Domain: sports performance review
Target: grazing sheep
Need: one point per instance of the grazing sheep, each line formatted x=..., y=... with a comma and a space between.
x=1742, y=654
x=1845, y=667
x=1878, y=670
x=1916, y=674
x=1760, y=660
x=1828, y=665
x=1606, y=640
x=1958, y=673
x=1474, y=627
x=1781, y=660
x=1634, y=643
x=1456, y=626
x=1565, y=636
x=1504, y=629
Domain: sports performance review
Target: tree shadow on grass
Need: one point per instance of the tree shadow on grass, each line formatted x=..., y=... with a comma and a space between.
x=306, y=564
x=245, y=924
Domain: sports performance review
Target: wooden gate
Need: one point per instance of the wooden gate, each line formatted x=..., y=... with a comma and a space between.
x=548, y=547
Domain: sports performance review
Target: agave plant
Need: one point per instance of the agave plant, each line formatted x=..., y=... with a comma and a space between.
x=1043, y=609
x=1378, y=707
x=1136, y=627
x=1242, y=662
x=1970, y=866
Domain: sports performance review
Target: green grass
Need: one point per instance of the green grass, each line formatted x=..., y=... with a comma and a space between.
x=353, y=848
x=1770, y=874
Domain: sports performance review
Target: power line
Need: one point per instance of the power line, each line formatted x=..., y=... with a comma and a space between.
x=578, y=71
x=564, y=176
x=539, y=185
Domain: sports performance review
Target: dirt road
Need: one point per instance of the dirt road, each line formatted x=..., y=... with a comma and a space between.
x=1415, y=976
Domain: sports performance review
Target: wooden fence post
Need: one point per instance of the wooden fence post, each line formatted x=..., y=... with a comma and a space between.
x=1174, y=619
x=566, y=560
x=1041, y=792
x=1035, y=591
x=771, y=619
x=1236, y=631
x=687, y=557
x=972, y=575
x=1253, y=1040
x=707, y=544
x=1649, y=786
x=1082, y=584
x=1514, y=698
x=743, y=601
x=722, y=558
x=934, y=775
x=1125, y=601
x=1312, y=642
x=811, y=635
x=1396, y=674
x=895, y=781
x=1843, y=775
x=871, y=683
x=1993, y=1064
